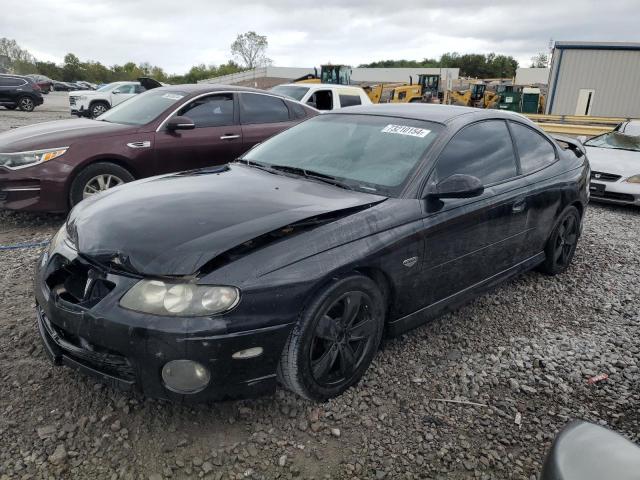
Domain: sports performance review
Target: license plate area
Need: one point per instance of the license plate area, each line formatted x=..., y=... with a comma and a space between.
x=597, y=188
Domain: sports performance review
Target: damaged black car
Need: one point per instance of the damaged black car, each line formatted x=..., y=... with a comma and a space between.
x=291, y=263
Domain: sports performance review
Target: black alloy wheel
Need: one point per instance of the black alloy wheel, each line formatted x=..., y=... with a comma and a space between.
x=341, y=338
x=335, y=340
x=562, y=244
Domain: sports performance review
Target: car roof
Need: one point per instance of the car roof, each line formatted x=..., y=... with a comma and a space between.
x=319, y=85
x=196, y=88
x=427, y=111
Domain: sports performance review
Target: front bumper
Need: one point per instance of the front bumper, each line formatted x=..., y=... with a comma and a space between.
x=620, y=193
x=41, y=188
x=127, y=349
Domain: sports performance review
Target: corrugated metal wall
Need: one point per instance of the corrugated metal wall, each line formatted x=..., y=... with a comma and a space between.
x=613, y=74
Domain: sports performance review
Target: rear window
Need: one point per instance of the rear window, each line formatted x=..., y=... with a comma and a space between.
x=534, y=150
x=291, y=91
x=347, y=100
x=297, y=110
x=256, y=108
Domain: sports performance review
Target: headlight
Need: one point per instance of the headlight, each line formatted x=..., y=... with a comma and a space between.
x=17, y=160
x=57, y=238
x=179, y=299
x=634, y=179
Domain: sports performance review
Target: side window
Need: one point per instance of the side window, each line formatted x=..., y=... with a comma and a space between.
x=483, y=150
x=256, y=108
x=11, y=82
x=534, y=150
x=347, y=100
x=124, y=89
x=322, y=100
x=211, y=111
x=139, y=89
x=297, y=110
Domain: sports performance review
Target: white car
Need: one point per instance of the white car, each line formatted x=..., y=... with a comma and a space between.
x=93, y=103
x=615, y=164
x=324, y=96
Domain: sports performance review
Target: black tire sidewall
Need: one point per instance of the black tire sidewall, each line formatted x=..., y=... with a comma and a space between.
x=33, y=104
x=306, y=333
x=79, y=182
x=549, y=266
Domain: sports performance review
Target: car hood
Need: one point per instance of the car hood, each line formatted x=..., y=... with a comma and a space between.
x=59, y=133
x=173, y=225
x=609, y=160
x=77, y=93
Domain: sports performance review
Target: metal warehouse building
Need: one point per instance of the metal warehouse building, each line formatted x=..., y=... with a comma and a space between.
x=593, y=78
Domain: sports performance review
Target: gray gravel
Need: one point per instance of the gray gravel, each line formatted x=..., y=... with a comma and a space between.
x=518, y=358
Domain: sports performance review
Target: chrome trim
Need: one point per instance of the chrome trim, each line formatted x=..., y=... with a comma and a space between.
x=162, y=124
x=20, y=189
x=229, y=137
x=140, y=144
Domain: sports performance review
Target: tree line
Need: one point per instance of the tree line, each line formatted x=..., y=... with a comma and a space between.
x=248, y=49
x=470, y=64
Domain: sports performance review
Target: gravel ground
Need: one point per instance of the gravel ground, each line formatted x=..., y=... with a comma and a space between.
x=522, y=354
x=55, y=107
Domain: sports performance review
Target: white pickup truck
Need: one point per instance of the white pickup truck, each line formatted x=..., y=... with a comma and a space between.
x=93, y=103
x=324, y=96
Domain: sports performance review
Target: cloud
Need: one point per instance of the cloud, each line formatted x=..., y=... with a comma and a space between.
x=177, y=35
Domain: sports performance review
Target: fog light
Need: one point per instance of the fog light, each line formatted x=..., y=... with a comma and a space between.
x=248, y=353
x=185, y=376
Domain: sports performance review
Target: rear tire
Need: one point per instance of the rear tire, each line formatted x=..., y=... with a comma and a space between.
x=562, y=243
x=26, y=104
x=98, y=108
x=335, y=339
x=96, y=178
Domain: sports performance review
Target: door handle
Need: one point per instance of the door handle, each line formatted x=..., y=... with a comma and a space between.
x=229, y=137
x=519, y=206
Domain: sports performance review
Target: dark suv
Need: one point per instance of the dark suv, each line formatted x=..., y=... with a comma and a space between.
x=19, y=92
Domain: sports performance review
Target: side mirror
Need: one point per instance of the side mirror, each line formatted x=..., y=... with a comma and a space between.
x=180, y=123
x=589, y=452
x=582, y=139
x=456, y=186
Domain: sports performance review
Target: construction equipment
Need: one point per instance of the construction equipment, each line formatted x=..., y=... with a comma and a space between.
x=474, y=96
x=334, y=74
x=426, y=90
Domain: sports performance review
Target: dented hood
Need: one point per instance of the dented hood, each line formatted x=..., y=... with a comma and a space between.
x=174, y=224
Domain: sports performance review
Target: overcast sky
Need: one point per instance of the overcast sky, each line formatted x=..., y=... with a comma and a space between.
x=178, y=34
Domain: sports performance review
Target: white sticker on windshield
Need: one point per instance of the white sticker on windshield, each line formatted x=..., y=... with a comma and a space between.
x=405, y=130
x=172, y=96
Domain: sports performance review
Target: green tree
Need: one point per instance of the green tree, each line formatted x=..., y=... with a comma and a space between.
x=250, y=49
x=540, y=60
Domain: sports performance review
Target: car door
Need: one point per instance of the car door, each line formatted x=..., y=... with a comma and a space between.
x=215, y=140
x=535, y=154
x=122, y=93
x=10, y=88
x=469, y=240
x=261, y=117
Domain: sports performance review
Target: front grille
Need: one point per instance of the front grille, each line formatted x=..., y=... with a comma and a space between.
x=623, y=197
x=605, y=177
x=77, y=282
x=77, y=348
x=72, y=101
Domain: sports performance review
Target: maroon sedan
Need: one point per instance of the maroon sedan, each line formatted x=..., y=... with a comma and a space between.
x=52, y=166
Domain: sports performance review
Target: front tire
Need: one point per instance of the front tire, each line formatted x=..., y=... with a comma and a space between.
x=562, y=243
x=97, y=178
x=98, y=108
x=26, y=104
x=335, y=339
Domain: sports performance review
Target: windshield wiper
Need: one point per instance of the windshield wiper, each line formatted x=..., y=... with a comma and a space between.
x=253, y=163
x=323, y=177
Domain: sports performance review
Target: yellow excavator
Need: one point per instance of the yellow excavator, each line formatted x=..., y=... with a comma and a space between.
x=334, y=74
x=426, y=90
x=476, y=95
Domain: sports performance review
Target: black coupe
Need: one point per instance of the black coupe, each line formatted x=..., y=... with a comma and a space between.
x=291, y=263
